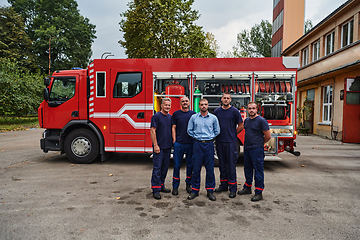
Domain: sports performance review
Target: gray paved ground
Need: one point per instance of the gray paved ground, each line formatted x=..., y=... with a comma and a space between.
x=44, y=196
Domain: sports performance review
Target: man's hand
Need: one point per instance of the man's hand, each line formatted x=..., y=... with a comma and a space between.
x=267, y=136
x=173, y=133
x=156, y=149
x=154, y=140
x=240, y=127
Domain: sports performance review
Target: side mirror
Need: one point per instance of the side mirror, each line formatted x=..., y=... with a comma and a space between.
x=46, y=94
x=47, y=81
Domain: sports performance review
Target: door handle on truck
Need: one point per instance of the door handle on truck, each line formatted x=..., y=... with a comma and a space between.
x=141, y=115
x=75, y=114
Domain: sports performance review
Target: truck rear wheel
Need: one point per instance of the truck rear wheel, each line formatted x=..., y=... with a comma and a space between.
x=81, y=146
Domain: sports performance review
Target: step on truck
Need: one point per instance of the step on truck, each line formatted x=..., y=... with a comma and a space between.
x=89, y=113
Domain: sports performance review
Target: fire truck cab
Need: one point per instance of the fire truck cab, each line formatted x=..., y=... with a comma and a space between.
x=108, y=106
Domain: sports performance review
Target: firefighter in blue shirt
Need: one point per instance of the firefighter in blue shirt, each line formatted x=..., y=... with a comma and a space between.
x=231, y=124
x=160, y=132
x=183, y=143
x=203, y=127
x=257, y=133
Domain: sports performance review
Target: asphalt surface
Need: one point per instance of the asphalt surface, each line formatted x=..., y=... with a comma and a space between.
x=44, y=196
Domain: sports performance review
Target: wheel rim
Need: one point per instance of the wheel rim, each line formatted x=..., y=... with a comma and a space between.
x=81, y=146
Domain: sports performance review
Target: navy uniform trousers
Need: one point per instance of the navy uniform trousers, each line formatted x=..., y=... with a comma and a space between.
x=203, y=155
x=254, y=163
x=179, y=150
x=227, y=154
x=161, y=164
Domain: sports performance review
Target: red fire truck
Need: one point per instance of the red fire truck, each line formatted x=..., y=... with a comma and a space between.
x=108, y=107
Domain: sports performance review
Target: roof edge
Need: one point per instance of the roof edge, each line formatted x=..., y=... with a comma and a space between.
x=319, y=24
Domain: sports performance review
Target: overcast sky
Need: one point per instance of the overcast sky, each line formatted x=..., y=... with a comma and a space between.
x=223, y=18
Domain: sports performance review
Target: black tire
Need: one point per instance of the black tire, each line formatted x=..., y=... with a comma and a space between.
x=81, y=146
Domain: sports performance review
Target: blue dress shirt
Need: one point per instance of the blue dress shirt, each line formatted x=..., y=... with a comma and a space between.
x=203, y=128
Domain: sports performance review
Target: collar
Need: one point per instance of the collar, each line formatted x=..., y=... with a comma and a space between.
x=207, y=115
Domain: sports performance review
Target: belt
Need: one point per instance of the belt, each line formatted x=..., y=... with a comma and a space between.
x=204, y=141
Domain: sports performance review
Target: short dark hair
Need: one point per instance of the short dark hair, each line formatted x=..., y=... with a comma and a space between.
x=252, y=103
x=203, y=100
x=226, y=93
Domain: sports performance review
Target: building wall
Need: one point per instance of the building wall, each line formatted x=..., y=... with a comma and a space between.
x=291, y=26
x=294, y=19
x=330, y=69
x=338, y=105
x=332, y=61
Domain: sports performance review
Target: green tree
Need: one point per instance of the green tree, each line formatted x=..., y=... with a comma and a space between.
x=20, y=90
x=254, y=43
x=212, y=43
x=59, y=24
x=163, y=29
x=14, y=42
x=308, y=25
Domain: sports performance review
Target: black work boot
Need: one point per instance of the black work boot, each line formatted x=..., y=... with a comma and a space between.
x=157, y=196
x=244, y=191
x=257, y=197
x=165, y=190
x=211, y=196
x=192, y=196
x=232, y=194
x=175, y=191
x=188, y=188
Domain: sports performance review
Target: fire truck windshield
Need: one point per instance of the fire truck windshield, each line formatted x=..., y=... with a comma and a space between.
x=62, y=89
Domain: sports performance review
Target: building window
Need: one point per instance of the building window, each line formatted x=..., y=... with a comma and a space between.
x=329, y=41
x=316, y=51
x=353, y=91
x=310, y=95
x=327, y=103
x=347, y=33
x=305, y=56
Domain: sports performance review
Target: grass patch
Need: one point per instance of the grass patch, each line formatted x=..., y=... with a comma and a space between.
x=18, y=123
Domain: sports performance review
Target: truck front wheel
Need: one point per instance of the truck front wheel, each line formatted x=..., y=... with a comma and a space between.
x=81, y=146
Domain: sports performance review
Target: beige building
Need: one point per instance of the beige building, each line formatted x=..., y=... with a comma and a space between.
x=288, y=24
x=329, y=74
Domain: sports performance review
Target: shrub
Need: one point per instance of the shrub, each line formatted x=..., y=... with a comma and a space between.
x=20, y=90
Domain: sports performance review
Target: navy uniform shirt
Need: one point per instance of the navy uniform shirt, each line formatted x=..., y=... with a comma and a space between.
x=228, y=120
x=162, y=123
x=254, y=136
x=181, y=119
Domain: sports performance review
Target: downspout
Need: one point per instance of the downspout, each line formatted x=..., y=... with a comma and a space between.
x=333, y=111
